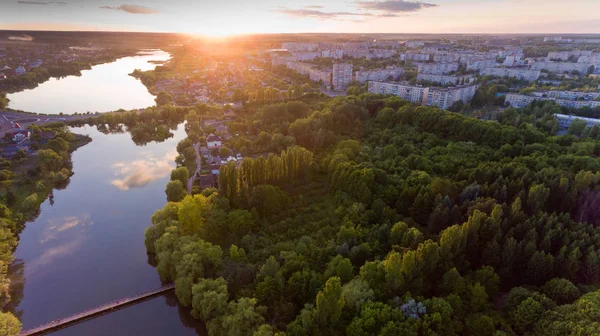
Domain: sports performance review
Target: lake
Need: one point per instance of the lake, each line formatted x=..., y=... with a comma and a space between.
x=104, y=88
x=86, y=248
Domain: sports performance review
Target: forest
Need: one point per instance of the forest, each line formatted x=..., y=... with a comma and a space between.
x=379, y=217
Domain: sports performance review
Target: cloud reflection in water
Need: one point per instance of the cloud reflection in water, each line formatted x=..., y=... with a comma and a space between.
x=141, y=172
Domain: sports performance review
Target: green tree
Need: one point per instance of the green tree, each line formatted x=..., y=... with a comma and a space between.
x=9, y=325
x=562, y=291
x=340, y=267
x=175, y=191
x=330, y=303
x=209, y=299
x=180, y=174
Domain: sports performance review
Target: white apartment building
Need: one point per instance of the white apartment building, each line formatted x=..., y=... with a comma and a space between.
x=314, y=73
x=446, y=79
x=565, y=121
x=431, y=96
x=481, y=64
x=437, y=68
x=561, y=67
x=520, y=101
x=569, y=95
x=307, y=55
x=414, y=44
x=335, y=53
x=370, y=54
x=446, y=58
x=299, y=46
x=521, y=74
x=342, y=75
x=362, y=76
x=418, y=57
x=565, y=55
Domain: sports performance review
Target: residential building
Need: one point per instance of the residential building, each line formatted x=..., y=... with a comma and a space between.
x=299, y=46
x=342, y=75
x=520, y=101
x=362, y=76
x=314, y=73
x=521, y=74
x=437, y=68
x=569, y=95
x=561, y=67
x=431, y=96
x=214, y=141
x=414, y=44
x=479, y=65
x=20, y=71
x=418, y=57
x=567, y=55
x=565, y=121
x=445, y=79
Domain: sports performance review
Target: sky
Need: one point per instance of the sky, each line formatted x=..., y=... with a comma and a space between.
x=229, y=17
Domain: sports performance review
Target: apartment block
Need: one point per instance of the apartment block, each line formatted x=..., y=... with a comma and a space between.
x=437, y=68
x=521, y=74
x=378, y=74
x=445, y=79
x=431, y=96
x=417, y=57
x=520, y=101
x=561, y=67
x=342, y=75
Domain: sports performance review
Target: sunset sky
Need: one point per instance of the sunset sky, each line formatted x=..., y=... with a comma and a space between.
x=225, y=17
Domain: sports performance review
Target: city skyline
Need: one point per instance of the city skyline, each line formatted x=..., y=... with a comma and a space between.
x=231, y=17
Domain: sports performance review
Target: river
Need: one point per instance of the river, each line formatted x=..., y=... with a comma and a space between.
x=86, y=248
x=105, y=87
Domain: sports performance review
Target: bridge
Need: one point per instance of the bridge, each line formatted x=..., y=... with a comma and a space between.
x=94, y=312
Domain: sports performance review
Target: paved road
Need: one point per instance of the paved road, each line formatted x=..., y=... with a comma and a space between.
x=7, y=117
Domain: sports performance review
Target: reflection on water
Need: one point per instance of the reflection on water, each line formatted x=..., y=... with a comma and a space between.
x=88, y=248
x=106, y=87
x=139, y=173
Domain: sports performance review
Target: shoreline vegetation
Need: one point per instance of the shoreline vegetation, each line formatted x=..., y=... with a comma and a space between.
x=27, y=182
x=40, y=75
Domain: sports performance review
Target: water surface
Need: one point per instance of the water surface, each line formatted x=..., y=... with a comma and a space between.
x=106, y=87
x=87, y=246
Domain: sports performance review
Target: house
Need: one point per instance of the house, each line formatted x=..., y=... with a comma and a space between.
x=205, y=152
x=207, y=181
x=20, y=71
x=214, y=169
x=18, y=137
x=9, y=151
x=214, y=141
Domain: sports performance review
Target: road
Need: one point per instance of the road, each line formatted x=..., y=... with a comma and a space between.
x=198, y=171
x=8, y=117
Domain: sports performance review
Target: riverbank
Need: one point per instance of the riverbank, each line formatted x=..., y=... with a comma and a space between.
x=40, y=75
x=26, y=183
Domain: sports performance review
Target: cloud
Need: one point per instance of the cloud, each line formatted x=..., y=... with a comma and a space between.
x=25, y=2
x=132, y=9
x=322, y=15
x=315, y=7
x=140, y=173
x=314, y=13
x=394, y=6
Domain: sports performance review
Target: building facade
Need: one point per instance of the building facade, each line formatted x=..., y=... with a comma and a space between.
x=520, y=101
x=445, y=79
x=430, y=96
x=521, y=74
x=342, y=75
x=362, y=76
x=437, y=68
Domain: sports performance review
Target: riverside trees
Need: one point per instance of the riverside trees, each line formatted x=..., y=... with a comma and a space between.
x=393, y=219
